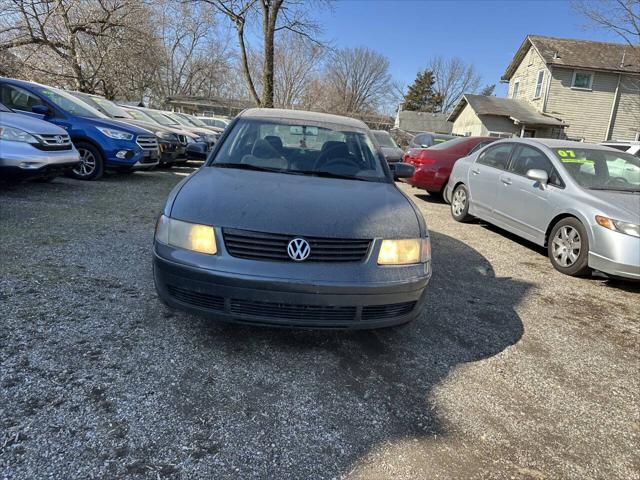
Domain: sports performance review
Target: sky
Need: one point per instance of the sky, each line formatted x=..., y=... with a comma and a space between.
x=486, y=33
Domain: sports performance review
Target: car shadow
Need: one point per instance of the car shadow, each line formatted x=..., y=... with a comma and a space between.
x=431, y=198
x=327, y=398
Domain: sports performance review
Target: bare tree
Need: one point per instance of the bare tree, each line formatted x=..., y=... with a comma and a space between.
x=453, y=78
x=53, y=36
x=358, y=79
x=619, y=16
x=274, y=16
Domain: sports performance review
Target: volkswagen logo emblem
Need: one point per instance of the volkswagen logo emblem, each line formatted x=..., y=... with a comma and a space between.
x=298, y=249
x=59, y=139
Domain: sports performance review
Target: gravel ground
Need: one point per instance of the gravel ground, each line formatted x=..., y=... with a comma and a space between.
x=513, y=371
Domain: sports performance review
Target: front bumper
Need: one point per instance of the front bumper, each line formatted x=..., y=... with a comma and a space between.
x=614, y=253
x=259, y=300
x=23, y=160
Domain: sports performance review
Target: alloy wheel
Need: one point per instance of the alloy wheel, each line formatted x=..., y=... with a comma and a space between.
x=458, y=202
x=566, y=246
x=87, y=163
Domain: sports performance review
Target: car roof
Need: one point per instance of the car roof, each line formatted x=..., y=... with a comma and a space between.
x=556, y=143
x=300, y=115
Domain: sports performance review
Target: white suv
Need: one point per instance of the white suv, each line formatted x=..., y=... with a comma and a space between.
x=632, y=147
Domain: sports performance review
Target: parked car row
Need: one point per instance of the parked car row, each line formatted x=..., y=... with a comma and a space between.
x=106, y=136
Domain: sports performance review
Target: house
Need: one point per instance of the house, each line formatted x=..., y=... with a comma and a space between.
x=561, y=88
x=414, y=122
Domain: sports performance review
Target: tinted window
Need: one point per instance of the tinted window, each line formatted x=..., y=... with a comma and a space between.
x=528, y=158
x=422, y=139
x=449, y=143
x=18, y=98
x=480, y=145
x=384, y=139
x=497, y=156
x=70, y=104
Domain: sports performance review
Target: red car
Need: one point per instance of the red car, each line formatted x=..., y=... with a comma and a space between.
x=433, y=165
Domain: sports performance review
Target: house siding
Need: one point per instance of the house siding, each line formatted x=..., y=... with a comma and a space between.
x=468, y=122
x=626, y=119
x=527, y=73
x=586, y=111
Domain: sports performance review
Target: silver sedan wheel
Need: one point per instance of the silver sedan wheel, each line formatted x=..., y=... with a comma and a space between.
x=566, y=246
x=458, y=202
x=87, y=163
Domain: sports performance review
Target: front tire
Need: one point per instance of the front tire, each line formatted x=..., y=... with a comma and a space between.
x=91, y=165
x=568, y=247
x=460, y=204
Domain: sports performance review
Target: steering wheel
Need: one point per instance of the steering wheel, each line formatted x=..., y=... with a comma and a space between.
x=613, y=181
x=342, y=163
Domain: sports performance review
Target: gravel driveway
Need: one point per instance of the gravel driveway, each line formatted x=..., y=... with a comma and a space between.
x=513, y=371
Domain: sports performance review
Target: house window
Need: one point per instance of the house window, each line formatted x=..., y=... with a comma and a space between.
x=539, y=82
x=582, y=80
x=516, y=88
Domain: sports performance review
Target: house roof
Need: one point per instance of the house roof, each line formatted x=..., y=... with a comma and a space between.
x=414, y=122
x=613, y=57
x=517, y=110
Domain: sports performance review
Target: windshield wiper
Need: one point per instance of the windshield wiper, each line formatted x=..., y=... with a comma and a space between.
x=245, y=166
x=325, y=174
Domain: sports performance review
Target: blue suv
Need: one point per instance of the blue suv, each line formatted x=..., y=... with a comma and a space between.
x=102, y=143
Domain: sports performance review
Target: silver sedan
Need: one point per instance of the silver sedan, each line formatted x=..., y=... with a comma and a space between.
x=581, y=201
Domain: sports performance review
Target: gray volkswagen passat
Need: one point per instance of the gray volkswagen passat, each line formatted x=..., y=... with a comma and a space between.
x=581, y=201
x=294, y=220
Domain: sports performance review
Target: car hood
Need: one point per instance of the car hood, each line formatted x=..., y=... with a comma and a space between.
x=295, y=204
x=30, y=124
x=392, y=152
x=624, y=206
x=120, y=125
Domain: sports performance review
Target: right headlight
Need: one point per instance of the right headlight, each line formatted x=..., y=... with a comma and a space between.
x=185, y=235
x=404, y=252
x=619, y=226
x=13, y=134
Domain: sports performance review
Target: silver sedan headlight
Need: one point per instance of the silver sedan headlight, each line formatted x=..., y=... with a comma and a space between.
x=619, y=226
x=13, y=134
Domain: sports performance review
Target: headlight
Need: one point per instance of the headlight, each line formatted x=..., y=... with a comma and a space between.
x=619, y=226
x=16, y=135
x=404, y=252
x=117, y=134
x=189, y=236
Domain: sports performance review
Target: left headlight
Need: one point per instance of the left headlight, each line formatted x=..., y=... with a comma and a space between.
x=189, y=236
x=116, y=134
x=404, y=252
x=619, y=226
x=13, y=134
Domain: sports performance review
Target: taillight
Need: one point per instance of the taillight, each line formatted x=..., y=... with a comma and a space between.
x=425, y=159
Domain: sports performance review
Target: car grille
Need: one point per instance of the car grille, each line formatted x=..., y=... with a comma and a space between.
x=379, y=312
x=203, y=300
x=293, y=312
x=147, y=142
x=273, y=246
x=53, y=142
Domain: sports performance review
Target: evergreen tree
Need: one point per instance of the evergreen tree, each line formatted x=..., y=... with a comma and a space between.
x=421, y=96
x=488, y=90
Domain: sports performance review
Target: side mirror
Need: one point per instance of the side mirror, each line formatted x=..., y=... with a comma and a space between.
x=538, y=176
x=197, y=151
x=42, y=110
x=401, y=170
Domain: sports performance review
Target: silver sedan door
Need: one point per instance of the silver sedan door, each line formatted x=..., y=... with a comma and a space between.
x=523, y=205
x=484, y=179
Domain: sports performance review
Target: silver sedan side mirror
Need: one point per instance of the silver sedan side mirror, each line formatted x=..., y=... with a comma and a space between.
x=538, y=176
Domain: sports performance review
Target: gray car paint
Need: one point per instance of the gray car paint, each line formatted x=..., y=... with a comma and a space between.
x=529, y=210
x=297, y=205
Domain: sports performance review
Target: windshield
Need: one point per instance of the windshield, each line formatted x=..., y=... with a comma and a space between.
x=601, y=169
x=301, y=148
x=162, y=119
x=193, y=120
x=70, y=104
x=111, y=108
x=444, y=144
x=384, y=139
x=138, y=115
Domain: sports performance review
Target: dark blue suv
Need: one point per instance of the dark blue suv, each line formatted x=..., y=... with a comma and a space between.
x=102, y=143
